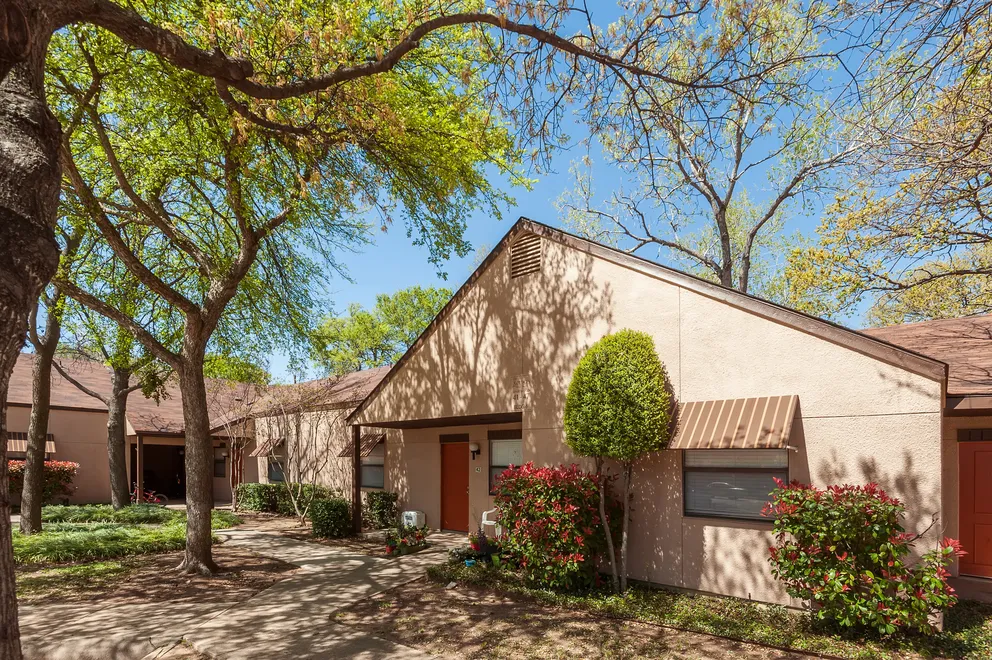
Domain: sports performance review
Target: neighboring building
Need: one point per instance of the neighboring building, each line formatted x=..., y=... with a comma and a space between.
x=764, y=391
x=77, y=431
x=302, y=430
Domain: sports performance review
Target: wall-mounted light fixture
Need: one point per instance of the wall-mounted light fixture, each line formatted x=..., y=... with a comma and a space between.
x=474, y=448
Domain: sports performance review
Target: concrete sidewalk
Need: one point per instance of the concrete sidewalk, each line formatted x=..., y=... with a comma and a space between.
x=291, y=619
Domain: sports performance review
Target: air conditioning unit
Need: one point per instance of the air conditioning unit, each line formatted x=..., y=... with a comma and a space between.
x=413, y=519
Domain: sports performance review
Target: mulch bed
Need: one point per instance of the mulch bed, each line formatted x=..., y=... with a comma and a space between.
x=270, y=522
x=152, y=578
x=467, y=622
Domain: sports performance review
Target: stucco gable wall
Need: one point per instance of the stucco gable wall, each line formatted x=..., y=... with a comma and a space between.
x=466, y=365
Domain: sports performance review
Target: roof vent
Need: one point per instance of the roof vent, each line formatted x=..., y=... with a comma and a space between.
x=525, y=255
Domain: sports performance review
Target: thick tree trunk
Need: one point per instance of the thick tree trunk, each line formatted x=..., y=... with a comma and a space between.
x=29, y=190
x=32, y=492
x=120, y=489
x=627, y=478
x=199, y=466
x=611, y=553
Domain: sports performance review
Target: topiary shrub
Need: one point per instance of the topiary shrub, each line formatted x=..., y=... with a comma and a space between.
x=331, y=517
x=845, y=550
x=618, y=407
x=259, y=497
x=57, y=477
x=551, y=522
x=379, y=509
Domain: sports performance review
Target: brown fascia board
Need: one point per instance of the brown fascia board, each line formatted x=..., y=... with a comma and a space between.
x=963, y=405
x=57, y=407
x=821, y=328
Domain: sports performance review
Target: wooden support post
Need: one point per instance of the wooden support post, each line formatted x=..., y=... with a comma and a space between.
x=140, y=469
x=356, y=479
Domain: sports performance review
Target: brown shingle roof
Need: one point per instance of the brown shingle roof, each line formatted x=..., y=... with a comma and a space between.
x=965, y=344
x=334, y=392
x=145, y=415
x=64, y=394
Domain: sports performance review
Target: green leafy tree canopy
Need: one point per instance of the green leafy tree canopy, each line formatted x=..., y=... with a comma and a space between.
x=618, y=405
x=374, y=338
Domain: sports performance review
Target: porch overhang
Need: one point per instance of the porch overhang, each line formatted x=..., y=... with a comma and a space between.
x=463, y=420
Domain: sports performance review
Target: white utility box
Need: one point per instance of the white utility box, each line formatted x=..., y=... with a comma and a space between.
x=413, y=519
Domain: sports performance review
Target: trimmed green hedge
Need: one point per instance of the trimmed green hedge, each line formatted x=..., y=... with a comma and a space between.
x=331, y=517
x=274, y=498
x=380, y=509
x=259, y=497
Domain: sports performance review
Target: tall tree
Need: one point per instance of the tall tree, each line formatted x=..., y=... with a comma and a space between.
x=377, y=337
x=912, y=236
x=132, y=368
x=52, y=304
x=715, y=174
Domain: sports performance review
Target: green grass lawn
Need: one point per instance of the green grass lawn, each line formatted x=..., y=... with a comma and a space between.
x=967, y=633
x=97, y=532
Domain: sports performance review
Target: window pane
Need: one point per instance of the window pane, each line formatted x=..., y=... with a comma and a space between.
x=737, y=458
x=377, y=457
x=373, y=476
x=728, y=494
x=506, y=452
x=275, y=472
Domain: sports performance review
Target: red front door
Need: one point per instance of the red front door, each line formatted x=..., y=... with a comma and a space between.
x=976, y=507
x=454, y=486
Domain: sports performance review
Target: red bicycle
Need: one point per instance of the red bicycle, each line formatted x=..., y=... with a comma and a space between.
x=150, y=497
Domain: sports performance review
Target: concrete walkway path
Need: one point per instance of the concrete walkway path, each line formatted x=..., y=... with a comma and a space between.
x=291, y=619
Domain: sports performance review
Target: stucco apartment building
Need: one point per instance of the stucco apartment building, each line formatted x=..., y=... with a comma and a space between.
x=763, y=391
x=77, y=431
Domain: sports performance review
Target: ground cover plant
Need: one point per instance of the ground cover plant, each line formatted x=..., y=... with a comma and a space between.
x=967, y=627
x=89, y=533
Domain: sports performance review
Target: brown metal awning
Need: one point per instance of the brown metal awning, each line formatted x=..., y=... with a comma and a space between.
x=263, y=448
x=755, y=423
x=18, y=442
x=369, y=442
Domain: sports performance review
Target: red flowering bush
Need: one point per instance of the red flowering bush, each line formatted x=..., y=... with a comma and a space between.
x=551, y=523
x=58, y=476
x=845, y=550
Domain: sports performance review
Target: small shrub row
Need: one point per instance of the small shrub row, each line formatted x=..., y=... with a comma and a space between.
x=406, y=540
x=379, y=509
x=57, y=479
x=552, y=525
x=275, y=498
x=331, y=517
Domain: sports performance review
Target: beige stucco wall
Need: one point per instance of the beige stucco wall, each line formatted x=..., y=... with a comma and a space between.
x=513, y=344
x=81, y=437
x=324, y=434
